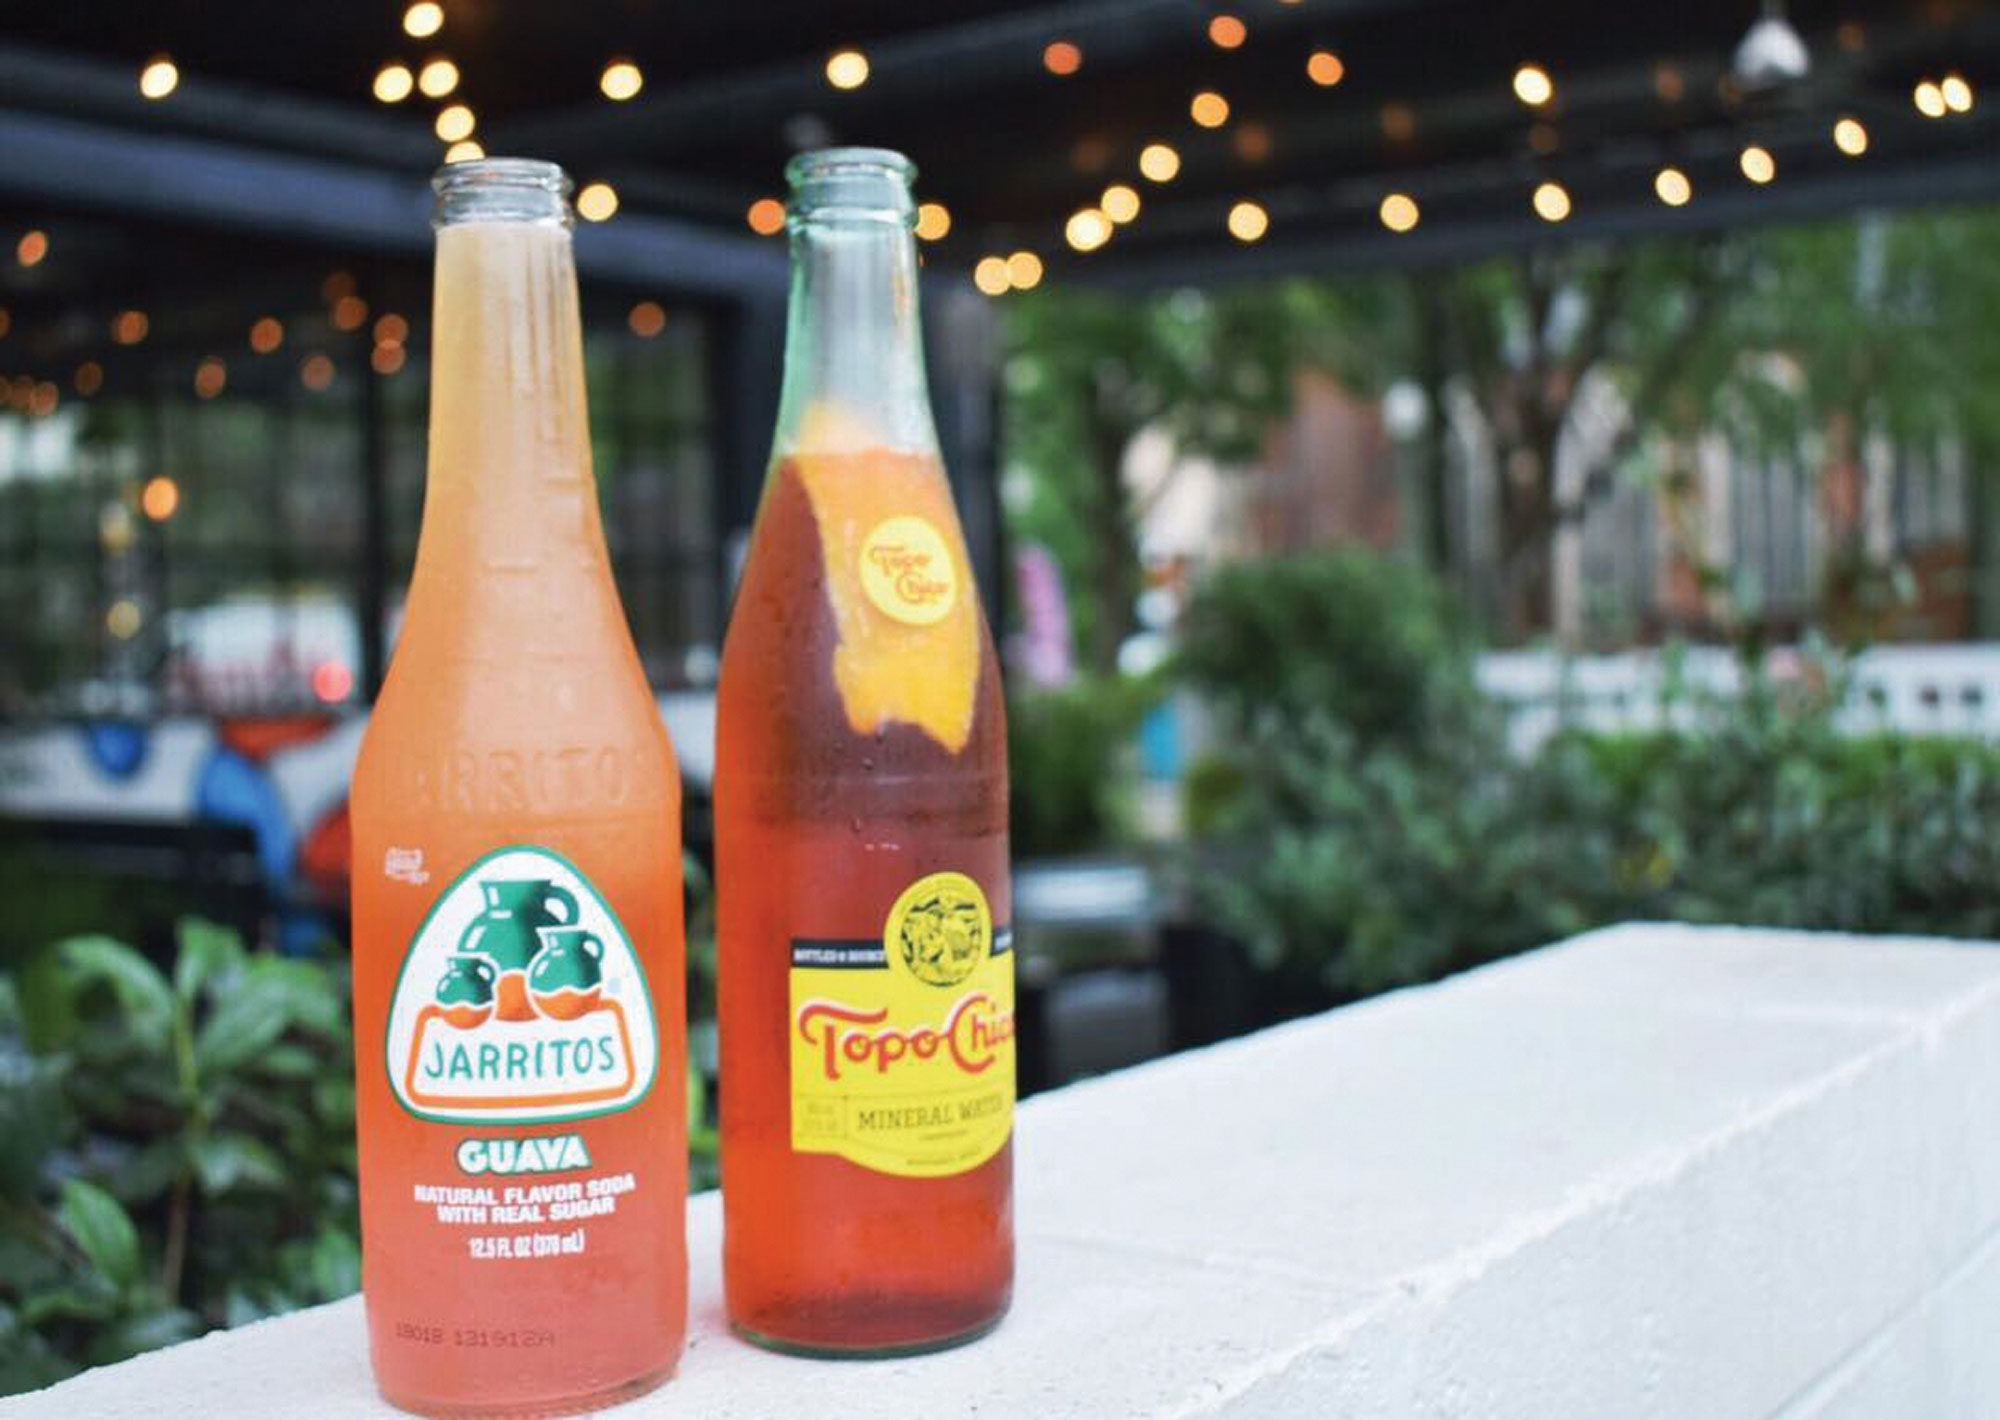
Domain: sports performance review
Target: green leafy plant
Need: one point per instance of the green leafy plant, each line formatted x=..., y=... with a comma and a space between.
x=181, y=1147
x=1066, y=753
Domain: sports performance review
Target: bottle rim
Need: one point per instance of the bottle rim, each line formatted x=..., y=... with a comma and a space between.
x=851, y=182
x=502, y=190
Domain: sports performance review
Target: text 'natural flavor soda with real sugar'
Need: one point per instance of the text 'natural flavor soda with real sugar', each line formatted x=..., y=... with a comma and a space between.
x=866, y=975
x=518, y=954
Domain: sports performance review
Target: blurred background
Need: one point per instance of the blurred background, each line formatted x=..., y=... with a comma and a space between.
x=1446, y=475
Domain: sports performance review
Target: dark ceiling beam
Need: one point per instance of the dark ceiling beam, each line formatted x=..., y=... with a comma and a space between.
x=78, y=87
x=1942, y=182
x=67, y=164
x=948, y=63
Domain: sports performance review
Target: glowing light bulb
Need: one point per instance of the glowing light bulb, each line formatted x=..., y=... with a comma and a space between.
x=597, y=202
x=847, y=69
x=393, y=83
x=1024, y=270
x=1399, y=212
x=1758, y=165
x=1209, y=109
x=1672, y=187
x=437, y=78
x=1929, y=99
x=766, y=216
x=1227, y=32
x=211, y=376
x=933, y=221
x=32, y=248
x=423, y=19
x=1324, y=68
x=621, y=80
x=647, y=319
x=1850, y=137
x=1956, y=93
x=159, y=78
x=1159, y=163
x=465, y=150
x=1120, y=203
x=1532, y=85
x=160, y=499
x=1062, y=58
x=990, y=275
x=455, y=123
x=1551, y=202
x=1087, y=230
x=1248, y=222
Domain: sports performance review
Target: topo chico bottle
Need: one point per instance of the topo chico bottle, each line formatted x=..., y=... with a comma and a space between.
x=518, y=959
x=866, y=976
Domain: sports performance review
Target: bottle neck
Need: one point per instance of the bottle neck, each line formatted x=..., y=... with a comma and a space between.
x=854, y=361
x=510, y=504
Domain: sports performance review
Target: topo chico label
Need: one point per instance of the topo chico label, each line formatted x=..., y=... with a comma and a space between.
x=907, y=570
x=521, y=1000
x=903, y=1047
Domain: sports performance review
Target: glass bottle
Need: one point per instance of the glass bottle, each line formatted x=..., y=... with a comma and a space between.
x=865, y=980
x=523, y=1167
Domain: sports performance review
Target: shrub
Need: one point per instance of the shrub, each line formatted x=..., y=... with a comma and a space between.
x=1065, y=751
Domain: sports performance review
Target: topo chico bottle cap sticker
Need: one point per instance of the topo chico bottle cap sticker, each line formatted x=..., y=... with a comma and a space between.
x=907, y=570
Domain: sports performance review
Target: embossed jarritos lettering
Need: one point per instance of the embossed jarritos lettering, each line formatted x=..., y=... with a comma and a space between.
x=574, y=777
x=843, y=1036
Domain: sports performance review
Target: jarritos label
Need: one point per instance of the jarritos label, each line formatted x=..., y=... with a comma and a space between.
x=521, y=1000
x=907, y=570
x=903, y=1047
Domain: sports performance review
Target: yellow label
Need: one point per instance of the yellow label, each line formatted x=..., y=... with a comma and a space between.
x=907, y=571
x=903, y=1048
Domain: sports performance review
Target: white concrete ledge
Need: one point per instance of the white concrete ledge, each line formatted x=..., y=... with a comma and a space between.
x=1654, y=1172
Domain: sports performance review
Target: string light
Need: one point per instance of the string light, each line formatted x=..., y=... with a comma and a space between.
x=393, y=83
x=159, y=78
x=89, y=378
x=1158, y=162
x=1758, y=164
x=990, y=275
x=1227, y=32
x=1399, y=212
x=1087, y=230
x=33, y=246
x=1956, y=92
x=387, y=359
x=1248, y=222
x=1024, y=270
x=766, y=216
x=1929, y=99
x=465, y=150
x=210, y=378
x=597, y=202
x=391, y=329
x=847, y=69
x=647, y=319
x=316, y=373
x=1120, y=203
x=1532, y=85
x=349, y=313
x=123, y=619
x=267, y=333
x=1672, y=187
x=1062, y=58
x=160, y=498
x=455, y=123
x=1551, y=202
x=1209, y=109
x=933, y=221
x=423, y=19
x=1850, y=137
x=437, y=78
x=1324, y=68
x=621, y=80
x=129, y=327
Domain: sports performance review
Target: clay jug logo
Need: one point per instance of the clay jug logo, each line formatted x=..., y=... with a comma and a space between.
x=907, y=570
x=521, y=1000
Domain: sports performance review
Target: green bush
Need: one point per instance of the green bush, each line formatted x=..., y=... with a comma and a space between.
x=1066, y=753
x=180, y=1147
x=1366, y=854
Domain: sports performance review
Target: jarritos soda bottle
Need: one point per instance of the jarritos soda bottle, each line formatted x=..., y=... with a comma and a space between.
x=866, y=976
x=518, y=958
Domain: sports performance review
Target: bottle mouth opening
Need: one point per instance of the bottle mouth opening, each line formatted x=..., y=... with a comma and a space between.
x=851, y=183
x=502, y=190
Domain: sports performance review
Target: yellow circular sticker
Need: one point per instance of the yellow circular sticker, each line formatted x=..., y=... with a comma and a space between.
x=907, y=570
x=940, y=928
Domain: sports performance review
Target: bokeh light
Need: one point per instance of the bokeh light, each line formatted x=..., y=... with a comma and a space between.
x=1551, y=202
x=1248, y=222
x=1672, y=187
x=1757, y=164
x=1399, y=212
x=766, y=216
x=1062, y=58
x=1159, y=163
x=1120, y=203
x=621, y=80
x=160, y=498
x=423, y=19
x=597, y=202
x=1087, y=230
x=1024, y=270
x=933, y=220
x=393, y=83
x=1533, y=86
x=847, y=69
x=159, y=78
x=647, y=319
x=1325, y=68
x=1209, y=109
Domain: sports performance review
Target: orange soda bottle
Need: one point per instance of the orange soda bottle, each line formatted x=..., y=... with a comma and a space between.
x=866, y=977
x=518, y=952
